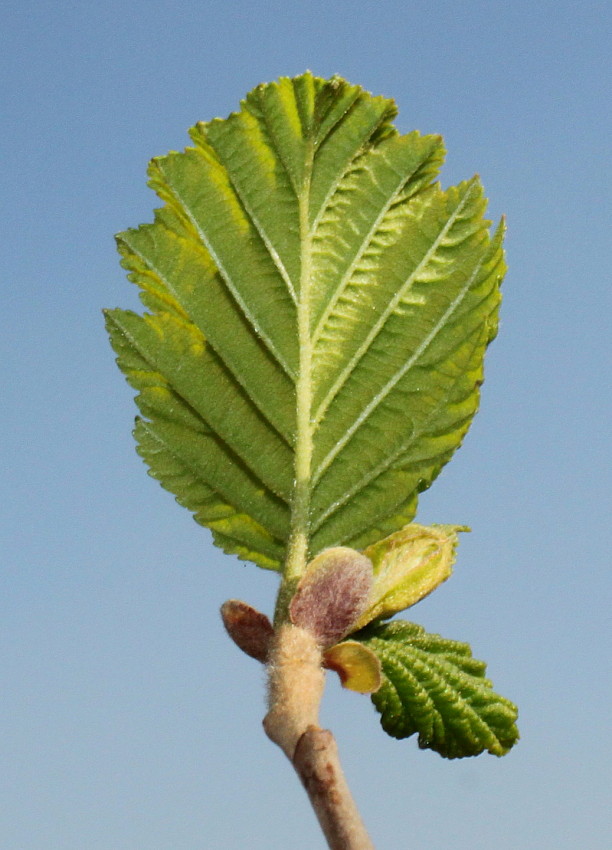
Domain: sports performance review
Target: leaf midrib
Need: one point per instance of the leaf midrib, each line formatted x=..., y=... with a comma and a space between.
x=297, y=547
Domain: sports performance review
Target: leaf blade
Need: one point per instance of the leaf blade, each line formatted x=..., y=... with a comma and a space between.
x=237, y=533
x=180, y=353
x=201, y=187
x=173, y=271
x=423, y=409
x=304, y=247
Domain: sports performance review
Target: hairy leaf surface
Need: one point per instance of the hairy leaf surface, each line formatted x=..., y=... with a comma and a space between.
x=318, y=312
x=434, y=688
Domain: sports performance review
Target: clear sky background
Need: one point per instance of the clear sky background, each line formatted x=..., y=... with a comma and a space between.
x=128, y=721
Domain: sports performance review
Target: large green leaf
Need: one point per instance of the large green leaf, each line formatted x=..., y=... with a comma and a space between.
x=319, y=311
x=434, y=688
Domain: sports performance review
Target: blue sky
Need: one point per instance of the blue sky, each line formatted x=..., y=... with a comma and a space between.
x=128, y=721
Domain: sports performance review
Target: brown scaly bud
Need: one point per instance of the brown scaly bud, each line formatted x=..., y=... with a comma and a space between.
x=249, y=629
x=332, y=594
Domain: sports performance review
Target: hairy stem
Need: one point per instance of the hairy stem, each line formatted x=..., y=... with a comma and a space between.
x=296, y=682
x=296, y=676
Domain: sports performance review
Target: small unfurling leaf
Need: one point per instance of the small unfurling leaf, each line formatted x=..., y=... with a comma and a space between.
x=434, y=688
x=357, y=666
x=408, y=565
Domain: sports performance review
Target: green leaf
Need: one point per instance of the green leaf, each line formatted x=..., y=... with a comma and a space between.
x=318, y=312
x=434, y=688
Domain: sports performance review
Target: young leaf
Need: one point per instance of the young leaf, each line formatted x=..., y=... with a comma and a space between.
x=358, y=667
x=318, y=316
x=433, y=687
x=408, y=565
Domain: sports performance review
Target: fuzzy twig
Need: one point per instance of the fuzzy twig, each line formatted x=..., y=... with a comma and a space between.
x=296, y=681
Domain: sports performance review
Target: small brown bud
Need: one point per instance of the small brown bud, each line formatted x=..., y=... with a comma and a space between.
x=249, y=629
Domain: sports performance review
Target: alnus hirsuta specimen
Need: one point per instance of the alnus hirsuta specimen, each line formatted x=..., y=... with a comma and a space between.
x=317, y=313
